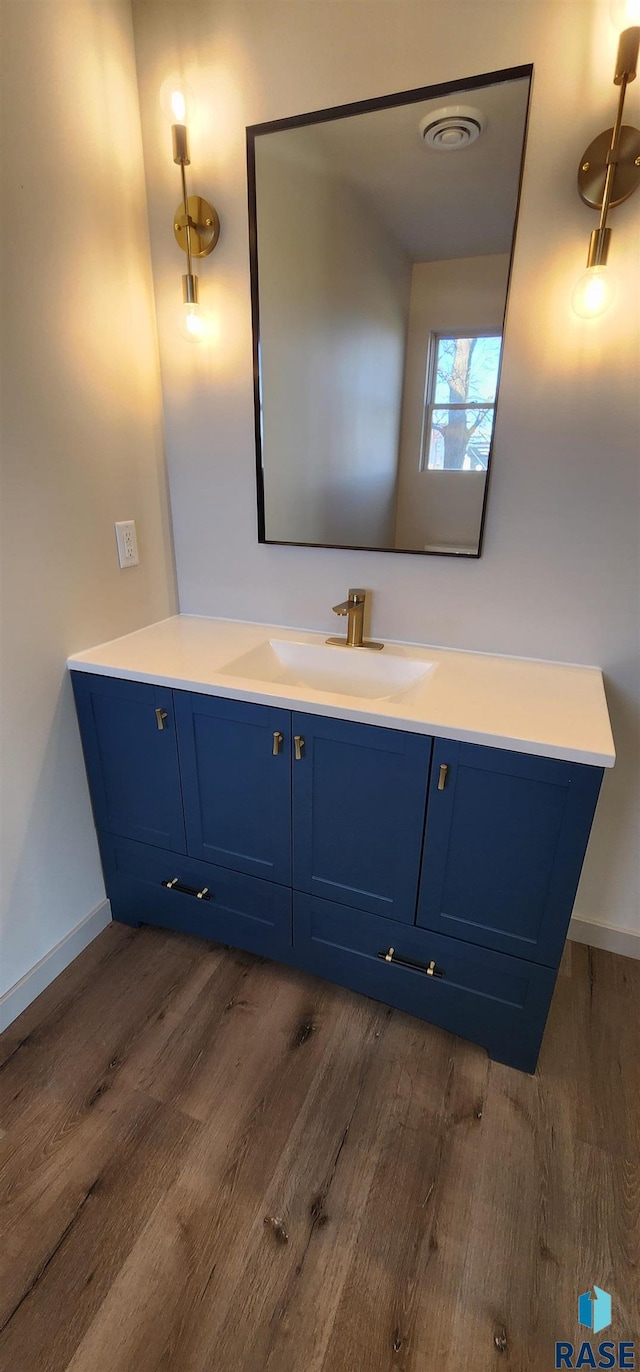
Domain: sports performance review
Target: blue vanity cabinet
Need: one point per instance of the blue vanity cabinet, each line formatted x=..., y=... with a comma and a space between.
x=359, y=795
x=236, y=777
x=505, y=840
x=131, y=755
x=435, y=876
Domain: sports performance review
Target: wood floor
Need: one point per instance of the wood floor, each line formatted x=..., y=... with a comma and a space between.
x=214, y=1164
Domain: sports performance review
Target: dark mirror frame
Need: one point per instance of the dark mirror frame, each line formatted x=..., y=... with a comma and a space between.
x=253, y=131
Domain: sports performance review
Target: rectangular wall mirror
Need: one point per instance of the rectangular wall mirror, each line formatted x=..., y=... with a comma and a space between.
x=381, y=238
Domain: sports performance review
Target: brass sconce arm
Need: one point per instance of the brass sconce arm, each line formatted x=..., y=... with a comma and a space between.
x=196, y=225
x=610, y=168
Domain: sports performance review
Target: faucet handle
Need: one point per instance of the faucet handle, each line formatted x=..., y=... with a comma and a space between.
x=357, y=595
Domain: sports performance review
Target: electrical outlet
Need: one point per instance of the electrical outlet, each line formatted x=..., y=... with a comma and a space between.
x=127, y=543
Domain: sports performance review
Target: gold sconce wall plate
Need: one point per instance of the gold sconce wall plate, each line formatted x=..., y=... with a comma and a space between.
x=204, y=226
x=592, y=172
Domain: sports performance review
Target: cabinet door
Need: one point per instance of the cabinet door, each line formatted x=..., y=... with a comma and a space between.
x=359, y=801
x=504, y=844
x=236, y=777
x=129, y=740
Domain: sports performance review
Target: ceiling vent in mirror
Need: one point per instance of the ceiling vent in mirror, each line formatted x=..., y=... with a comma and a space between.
x=452, y=127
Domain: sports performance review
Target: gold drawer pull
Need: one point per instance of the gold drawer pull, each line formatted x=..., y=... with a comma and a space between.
x=442, y=779
x=278, y=740
x=298, y=743
x=161, y=715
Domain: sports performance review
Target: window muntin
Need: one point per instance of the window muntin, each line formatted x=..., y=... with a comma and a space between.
x=460, y=400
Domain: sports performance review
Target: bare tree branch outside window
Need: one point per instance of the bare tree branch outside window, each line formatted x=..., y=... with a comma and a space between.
x=461, y=393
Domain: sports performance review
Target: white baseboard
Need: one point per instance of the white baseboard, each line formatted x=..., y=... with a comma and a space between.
x=18, y=997
x=607, y=936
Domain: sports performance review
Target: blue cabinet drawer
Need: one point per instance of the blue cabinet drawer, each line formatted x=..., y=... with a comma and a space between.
x=495, y=1000
x=148, y=886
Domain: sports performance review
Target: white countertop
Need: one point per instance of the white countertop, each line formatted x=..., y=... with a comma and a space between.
x=546, y=708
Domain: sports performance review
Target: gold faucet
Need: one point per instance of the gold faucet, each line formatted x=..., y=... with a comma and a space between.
x=353, y=608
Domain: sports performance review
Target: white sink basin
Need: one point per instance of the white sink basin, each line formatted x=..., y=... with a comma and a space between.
x=339, y=671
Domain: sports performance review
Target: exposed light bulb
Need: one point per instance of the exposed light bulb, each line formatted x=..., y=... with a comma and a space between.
x=624, y=14
x=176, y=101
x=193, y=324
x=199, y=326
x=178, y=106
x=594, y=292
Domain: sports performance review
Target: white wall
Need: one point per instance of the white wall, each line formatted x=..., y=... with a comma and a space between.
x=81, y=444
x=559, y=574
x=440, y=507
x=334, y=305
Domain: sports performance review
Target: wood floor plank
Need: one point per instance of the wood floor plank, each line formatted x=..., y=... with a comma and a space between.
x=258, y=1265
x=63, y=1057
x=221, y=1187
x=375, y=1323
x=43, y=1204
x=86, y=1260
x=608, y=1222
x=592, y=1026
x=398, y=1114
x=64, y=1116
x=426, y=1209
x=611, y=1119
x=225, y=1022
x=494, y=1307
x=75, y=981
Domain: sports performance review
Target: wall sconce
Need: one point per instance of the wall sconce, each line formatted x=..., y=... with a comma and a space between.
x=609, y=173
x=196, y=225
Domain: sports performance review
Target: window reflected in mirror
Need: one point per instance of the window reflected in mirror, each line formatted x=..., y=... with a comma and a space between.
x=461, y=388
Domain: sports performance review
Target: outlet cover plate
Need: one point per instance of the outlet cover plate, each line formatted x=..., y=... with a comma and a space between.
x=127, y=543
